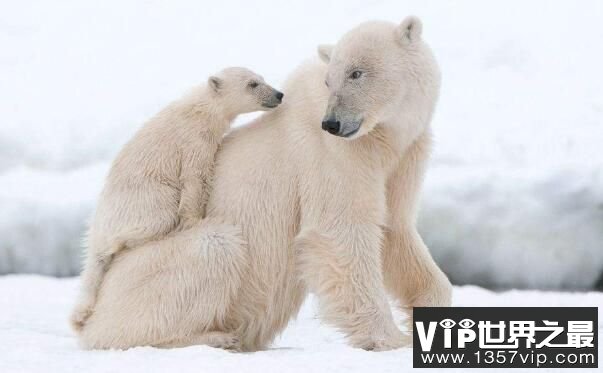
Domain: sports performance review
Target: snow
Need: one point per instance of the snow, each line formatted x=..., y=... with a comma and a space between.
x=35, y=336
x=514, y=195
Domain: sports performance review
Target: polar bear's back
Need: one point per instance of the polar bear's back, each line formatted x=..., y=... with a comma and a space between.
x=141, y=192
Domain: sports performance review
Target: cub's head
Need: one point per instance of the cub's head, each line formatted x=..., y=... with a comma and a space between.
x=376, y=72
x=243, y=91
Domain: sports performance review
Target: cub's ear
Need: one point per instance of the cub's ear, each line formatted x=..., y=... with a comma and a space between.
x=215, y=83
x=409, y=31
x=324, y=52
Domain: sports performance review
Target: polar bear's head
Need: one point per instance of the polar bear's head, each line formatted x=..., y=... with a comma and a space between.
x=240, y=90
x=376, y=73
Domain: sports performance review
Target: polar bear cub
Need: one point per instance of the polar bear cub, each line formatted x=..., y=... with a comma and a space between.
x=160, y=181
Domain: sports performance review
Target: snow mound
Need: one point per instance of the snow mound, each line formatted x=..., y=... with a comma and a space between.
x=43, y=217
x=36, y=338
x=506, y=228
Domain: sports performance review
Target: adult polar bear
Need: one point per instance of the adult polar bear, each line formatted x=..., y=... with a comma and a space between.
x=318, y=212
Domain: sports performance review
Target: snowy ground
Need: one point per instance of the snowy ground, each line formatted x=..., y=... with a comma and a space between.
x=34, y=337
x=514, y=197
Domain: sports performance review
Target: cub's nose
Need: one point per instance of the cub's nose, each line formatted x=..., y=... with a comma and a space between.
x=331, y=126
x=279, y=96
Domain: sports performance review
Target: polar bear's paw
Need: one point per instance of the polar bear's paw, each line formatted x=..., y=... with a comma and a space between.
x=225, y=341
x=383, y=343
x=80, y=315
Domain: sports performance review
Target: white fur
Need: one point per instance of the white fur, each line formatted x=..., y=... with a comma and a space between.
x=160, y=181
x=332, y=215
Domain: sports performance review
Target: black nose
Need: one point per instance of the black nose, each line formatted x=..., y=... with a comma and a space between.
x=331, y=126
x=279, y=96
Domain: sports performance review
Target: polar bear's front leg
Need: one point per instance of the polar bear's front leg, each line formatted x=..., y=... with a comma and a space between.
x=410, y=273
x=346, y=276
x=192, y=203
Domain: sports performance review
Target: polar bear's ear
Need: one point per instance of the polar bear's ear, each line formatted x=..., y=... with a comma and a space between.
x=214, y=83
x=409, y=30
x=324, y=52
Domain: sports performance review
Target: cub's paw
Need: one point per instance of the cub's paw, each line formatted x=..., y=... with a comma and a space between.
x=79, y=316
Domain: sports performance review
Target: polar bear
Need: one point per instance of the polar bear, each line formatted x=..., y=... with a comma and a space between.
x=160, y=181
x=324, y=191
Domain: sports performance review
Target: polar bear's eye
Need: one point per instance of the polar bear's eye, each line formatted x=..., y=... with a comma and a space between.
x=356, y=74
x=252, y=84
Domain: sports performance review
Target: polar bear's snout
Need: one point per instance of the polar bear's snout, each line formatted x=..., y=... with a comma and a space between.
x=343, y=117
x=334, y=126
x=274, y=99
x=331, y=125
